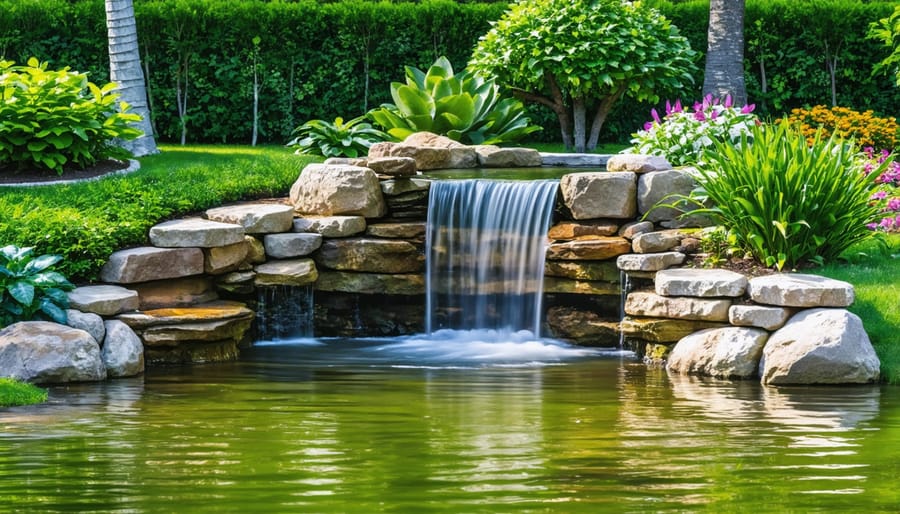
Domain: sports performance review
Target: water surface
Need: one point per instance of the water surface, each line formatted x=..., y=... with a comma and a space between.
x=393, y=426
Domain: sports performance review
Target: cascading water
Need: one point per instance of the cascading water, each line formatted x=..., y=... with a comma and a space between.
x=486, y=244
x=284, y=312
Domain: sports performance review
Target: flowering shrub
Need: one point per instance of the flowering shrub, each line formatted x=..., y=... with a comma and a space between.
x=866, y=128
x=887, y=196
x=682, y=135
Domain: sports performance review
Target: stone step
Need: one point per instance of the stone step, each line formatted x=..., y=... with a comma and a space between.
x=104, y=300
x=256, y=218
x=148, y=263
x=700, y=282
x=195, y=233
x=800, y=290
x=331, y=226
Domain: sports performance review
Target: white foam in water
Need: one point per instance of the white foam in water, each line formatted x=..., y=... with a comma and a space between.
x=291, y=341
x=485, y=348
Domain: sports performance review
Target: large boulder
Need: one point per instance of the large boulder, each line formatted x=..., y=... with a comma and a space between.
x=122, y=352
x=335, y=189
x=599, y=195
x=659, y=185
x=47, y=353
x=87, y=321
x=730, y=352
x=820, y=346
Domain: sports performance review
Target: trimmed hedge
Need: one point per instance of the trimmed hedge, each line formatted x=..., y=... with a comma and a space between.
x=323, y=60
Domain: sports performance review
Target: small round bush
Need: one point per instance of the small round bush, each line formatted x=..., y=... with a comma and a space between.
x=57, y=118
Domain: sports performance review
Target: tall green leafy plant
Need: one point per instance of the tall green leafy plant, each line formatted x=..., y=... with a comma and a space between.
x=54, y=118
x=350, y=138
x=29, y=288
x=463, y=107
x=788, y=202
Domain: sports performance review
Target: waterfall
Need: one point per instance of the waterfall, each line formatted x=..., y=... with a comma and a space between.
x=284, y=312
x=486, y=243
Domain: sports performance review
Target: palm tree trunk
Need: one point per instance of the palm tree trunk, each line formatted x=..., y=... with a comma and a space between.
x=125, y=70
x=725, y=54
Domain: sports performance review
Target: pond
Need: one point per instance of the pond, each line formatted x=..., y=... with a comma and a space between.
x=392, y=426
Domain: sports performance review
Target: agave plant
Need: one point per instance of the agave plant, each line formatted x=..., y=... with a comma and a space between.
x=29, y=289
x=339, y=139
x=463, y=107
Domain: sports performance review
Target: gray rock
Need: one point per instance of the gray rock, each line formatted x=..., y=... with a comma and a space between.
x=195, y=233
x=149, y=263
x=593, y=160
x=393, y=166
x=657, y=187
x=348, y=161
x=655, y=242
x=123, y=352
x=294, y=272
x=582, y=270
x=700, y=282
x=371, y=283
x=256, y=218
x=461, y=156
x=633, y=229
x=490, y=156
x=637, y=163
x=409, y=230
x=649, y=261
x=333, y=190
x=676, y=307
x=731, y=352
x=599, y=195
x=87, y=321
x=820, y=346
x=800, y=290
x=331, y=226
x=370, y=255
x=47, y=353
x=760, y=316
x=223, y=259
x=426, y=158
x=103, y=300
x=285, y=246
x=402, y=186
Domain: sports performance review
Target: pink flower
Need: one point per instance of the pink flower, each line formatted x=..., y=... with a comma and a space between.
x=728, y=101
x=894, y=204
x=655, y=115
x=648, y=126
x=747, y=109
x=879, y=195
x=678, y=107
x=699, y=116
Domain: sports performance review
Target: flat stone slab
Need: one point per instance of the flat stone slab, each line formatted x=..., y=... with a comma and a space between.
x=600, y=195
x=177, y=292
x=331, y=226
x=294, y=272
x=393, y=166
x=195, y=233
x=149, y=263
x=400, y=186
x=491, y=156
x=371, y=283
x=572, y=286
x=633, y=229
x=370, y=255
x=700, y=282
x=285, y=246
x=567, y=230
x=676, y=307
x=582, y=270
x=600, y=248
x=654, y=242
x=256, y=218
x=760, y=316
x=104, y=300
x=410, y=230
x=213, y=311
x=595, y=160
x=663, y=330
x=800, y=290
x=649, y=261
x=637, y=163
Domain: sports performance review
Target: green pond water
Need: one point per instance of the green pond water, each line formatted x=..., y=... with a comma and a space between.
x=387, y=426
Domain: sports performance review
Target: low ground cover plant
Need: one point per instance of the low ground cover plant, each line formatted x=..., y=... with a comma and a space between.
x=350, y=138
x=685, y=132
x=29, y=287
x=14, y=393
x=788, y=203
x=57, y=118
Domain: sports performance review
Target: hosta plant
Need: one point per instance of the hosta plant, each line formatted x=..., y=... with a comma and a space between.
x=57, y=118
x=787, y=202
x=463, y=107
x=339, y=139
x=684, y=133
x=29, y=288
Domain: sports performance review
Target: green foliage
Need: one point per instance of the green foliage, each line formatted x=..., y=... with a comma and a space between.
x=788, y=203
x=29, y=288
x=682, y=135
x=568, y=54
x=54, y=118
x=463, y=107
x=887, y=30
x=338, y=139
x=86, y=222
x=14, y=393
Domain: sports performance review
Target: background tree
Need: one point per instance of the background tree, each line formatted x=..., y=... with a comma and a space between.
x=125, y=70
x=725, y=52
x=583, y=56
x=887, y=30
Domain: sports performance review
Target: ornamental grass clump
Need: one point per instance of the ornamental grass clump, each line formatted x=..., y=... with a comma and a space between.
x=786, y=201
x=682, y=135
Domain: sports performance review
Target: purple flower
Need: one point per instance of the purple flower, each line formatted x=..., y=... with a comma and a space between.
x=699, y=116
x=648, y=126
x=879, y=195
x=678, y=107
x=728, y=101
x=655, y=115
x=894, y=204
x=871, y=226
x=747, y=109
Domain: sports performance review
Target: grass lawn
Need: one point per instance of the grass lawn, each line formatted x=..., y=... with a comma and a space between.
x=13, y=393
x=873, y=268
